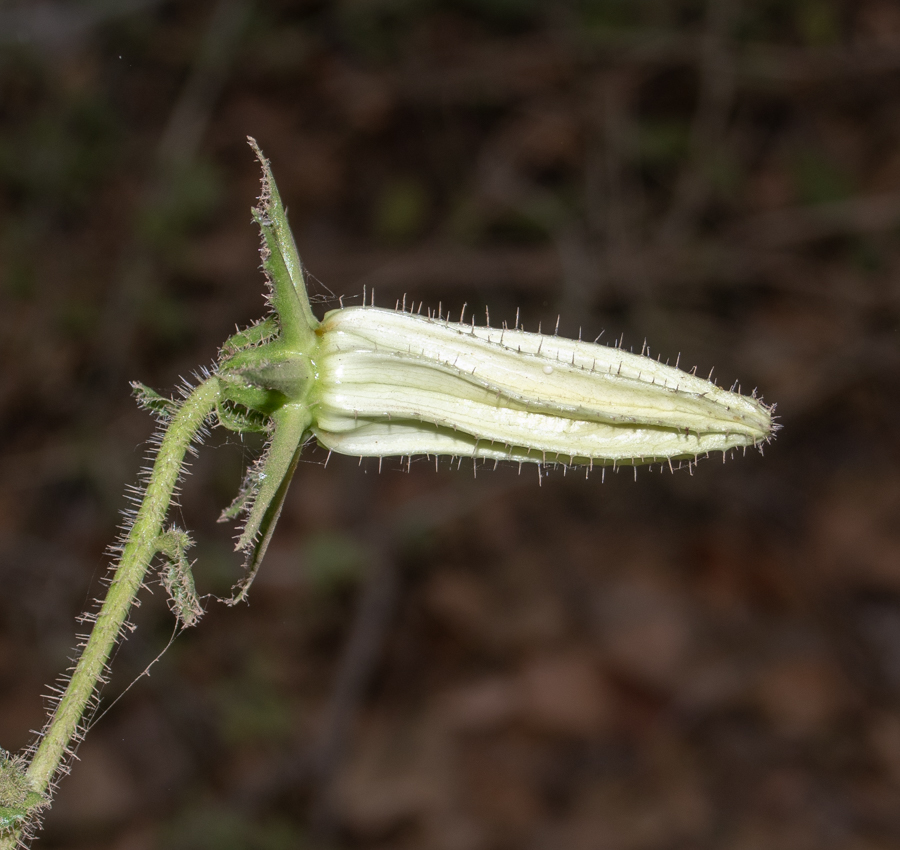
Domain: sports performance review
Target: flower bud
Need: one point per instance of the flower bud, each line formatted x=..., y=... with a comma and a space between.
x=395, y=383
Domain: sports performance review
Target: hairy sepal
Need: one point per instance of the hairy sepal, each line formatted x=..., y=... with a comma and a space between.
x=265, y=489
x=257, y=334
x=235, y=418
x=18, y=801
x=177, y=577
x=148, y=399
x=281, y=263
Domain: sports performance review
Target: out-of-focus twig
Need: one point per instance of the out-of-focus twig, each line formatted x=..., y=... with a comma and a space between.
x=796, y=225
x=177, y=150
x=193, y=110
x=503, y=184
x=710, y=120
x=619, y=195
x=363, y=649
x=497, y=68
x=613, y=200
x=318, y=763
x=52, y=26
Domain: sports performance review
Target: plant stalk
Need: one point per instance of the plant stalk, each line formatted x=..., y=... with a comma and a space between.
x=137, y=554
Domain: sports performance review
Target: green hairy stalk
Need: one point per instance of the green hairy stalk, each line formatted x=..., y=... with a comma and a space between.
x=371, y=383
x=143, y=541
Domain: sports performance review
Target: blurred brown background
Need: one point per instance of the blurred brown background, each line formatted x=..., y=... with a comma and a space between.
x=437, y=661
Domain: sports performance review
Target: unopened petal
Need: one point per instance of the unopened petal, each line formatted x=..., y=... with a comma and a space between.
x=393, y=383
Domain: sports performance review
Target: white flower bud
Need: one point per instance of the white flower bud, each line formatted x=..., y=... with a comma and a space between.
x=395, y=383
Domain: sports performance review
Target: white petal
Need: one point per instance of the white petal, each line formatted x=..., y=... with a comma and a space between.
x=396, y=383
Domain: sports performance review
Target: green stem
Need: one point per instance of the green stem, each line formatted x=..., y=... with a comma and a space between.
x=139, y=550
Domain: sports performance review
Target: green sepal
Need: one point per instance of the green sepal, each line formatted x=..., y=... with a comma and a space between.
x=288, y=375
x=241, y=420
x=257, y=334
x=243, y=501
x=273, y=476
x=148, y=399
x=263, y=379
x=177, y=577
x=17, y=801
x=12, y=817
x=281, y=263
x=238, y=390
x=289, y=425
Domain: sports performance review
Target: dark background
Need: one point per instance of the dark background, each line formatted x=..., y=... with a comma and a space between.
x=436, y=660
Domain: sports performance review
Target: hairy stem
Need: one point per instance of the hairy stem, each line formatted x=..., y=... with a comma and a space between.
x=139, y=550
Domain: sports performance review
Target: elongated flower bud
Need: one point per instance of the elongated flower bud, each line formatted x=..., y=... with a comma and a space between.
x=394, y=383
